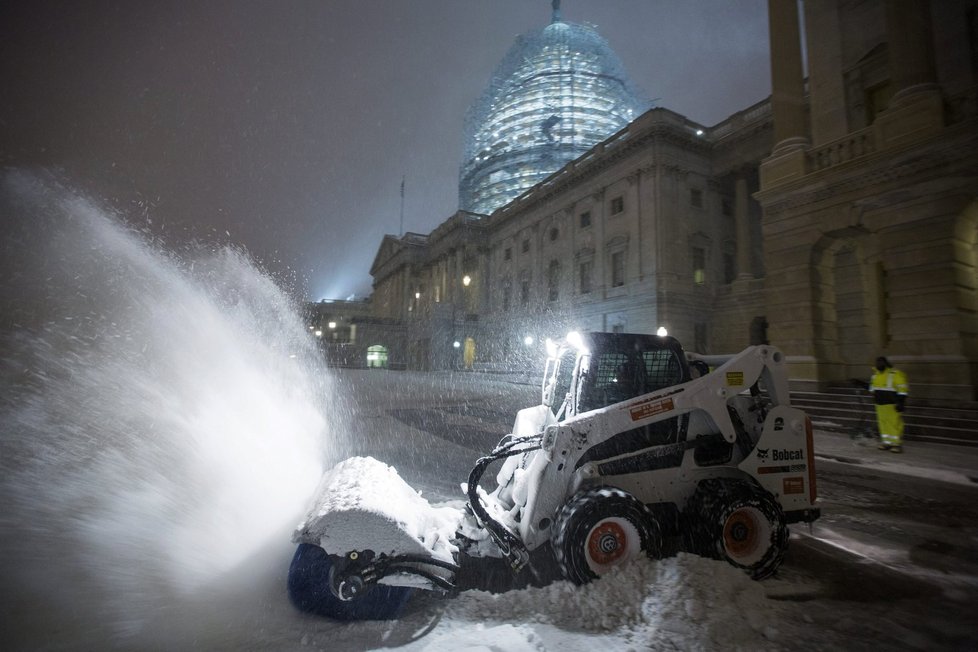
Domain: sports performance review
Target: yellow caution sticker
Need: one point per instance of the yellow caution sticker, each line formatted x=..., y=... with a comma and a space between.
x=735, y=378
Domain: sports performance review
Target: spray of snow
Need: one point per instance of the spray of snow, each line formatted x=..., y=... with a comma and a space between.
x=163, y=415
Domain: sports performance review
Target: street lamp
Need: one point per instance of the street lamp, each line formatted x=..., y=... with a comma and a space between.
x=466, y=280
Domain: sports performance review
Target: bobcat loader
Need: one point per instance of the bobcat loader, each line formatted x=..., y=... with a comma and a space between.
x=636, y=449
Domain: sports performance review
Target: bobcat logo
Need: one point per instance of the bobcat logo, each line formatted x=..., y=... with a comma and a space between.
x=762, y=453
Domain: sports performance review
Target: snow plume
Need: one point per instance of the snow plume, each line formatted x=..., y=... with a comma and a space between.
x=680, y=603
x=161, y=417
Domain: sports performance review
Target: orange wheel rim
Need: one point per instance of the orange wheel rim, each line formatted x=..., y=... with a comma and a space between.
x=741, y=534
x=607, y=543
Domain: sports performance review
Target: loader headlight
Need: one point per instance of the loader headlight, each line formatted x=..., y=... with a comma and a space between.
x=551, y=348
x=574, y=339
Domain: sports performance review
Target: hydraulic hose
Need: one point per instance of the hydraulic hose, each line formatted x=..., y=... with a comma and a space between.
x=511, y=545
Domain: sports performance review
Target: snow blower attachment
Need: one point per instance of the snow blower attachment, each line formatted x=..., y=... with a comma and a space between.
x=637, y=449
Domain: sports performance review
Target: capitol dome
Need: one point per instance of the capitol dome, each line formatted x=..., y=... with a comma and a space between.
x=557, y=93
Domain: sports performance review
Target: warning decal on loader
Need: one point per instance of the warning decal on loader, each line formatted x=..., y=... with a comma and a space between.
x=794, y=485
x=735, y=378
x=649, y=409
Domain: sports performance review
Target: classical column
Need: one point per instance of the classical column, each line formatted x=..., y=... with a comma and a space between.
x=742, y=222
x=916, y=110
x=787, y=75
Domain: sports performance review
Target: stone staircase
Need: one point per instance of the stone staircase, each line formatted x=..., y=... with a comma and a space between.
x=850, y=410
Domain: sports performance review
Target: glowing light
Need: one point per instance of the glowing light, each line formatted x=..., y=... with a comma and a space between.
x=699, y=132
x=575, y=339
x=331, y=325
x=551, y=348
x=528, y=340
x=456, y=344
x=466, y=280
x=319, y=333
x=662, y=332
x=417, y=295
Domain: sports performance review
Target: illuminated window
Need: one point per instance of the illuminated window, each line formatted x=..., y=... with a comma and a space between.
x=699, y=265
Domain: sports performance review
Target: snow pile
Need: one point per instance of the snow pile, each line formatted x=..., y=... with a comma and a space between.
x=363, y=504
x=511, y=638
x=684, y=602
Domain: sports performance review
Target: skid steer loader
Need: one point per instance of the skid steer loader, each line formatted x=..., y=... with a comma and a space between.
x=637, y=447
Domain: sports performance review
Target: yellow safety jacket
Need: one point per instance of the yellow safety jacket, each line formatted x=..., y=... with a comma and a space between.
x=888, y=386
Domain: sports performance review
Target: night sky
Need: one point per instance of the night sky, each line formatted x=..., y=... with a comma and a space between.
x=285, y=127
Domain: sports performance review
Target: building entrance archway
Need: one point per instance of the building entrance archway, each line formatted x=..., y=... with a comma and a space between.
x=377, y=356
x=849, y=304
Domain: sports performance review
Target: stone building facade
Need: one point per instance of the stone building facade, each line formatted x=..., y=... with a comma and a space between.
x=837, y=220
x=870, y=194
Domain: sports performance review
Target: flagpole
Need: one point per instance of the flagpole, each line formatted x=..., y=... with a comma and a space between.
x=401, y=235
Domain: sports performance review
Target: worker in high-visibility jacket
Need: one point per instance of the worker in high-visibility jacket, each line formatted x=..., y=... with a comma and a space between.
x=889, y=388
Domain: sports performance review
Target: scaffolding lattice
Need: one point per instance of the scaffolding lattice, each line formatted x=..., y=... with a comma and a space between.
x=557, y=93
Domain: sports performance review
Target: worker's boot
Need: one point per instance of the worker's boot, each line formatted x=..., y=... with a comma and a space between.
x=895, y=449
x=884, y=447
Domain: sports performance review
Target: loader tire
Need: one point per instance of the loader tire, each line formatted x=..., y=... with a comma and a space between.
x=599, y=529
x=308, y=587
x=738, y=522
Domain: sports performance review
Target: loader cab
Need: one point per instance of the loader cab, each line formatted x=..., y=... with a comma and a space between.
x=594, y=370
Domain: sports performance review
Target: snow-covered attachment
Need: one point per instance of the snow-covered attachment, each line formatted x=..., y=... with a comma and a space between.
x=374, y=528
x=637, y=449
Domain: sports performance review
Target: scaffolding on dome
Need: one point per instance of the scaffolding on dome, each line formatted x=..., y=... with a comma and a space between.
x=557, y=93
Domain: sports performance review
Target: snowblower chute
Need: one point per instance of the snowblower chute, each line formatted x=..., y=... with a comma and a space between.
x=635, y=443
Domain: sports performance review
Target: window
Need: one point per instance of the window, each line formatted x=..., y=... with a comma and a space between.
x=525, y=292
x=726, y=207
x=507, y=296
x=553, y=281
x=554, y=234
x=585, y=271
x=729, y=267
x=617, y=269
x=508, y=253
x=617, y=205
x=696, y=197
x=585, y=219
x=699, y=265
x=526, y=245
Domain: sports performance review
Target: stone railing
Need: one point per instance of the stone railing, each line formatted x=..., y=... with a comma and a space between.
x=852, y=146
